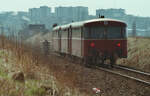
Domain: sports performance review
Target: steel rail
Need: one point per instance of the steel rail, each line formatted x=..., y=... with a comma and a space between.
x=132, y=70
x=123, y=75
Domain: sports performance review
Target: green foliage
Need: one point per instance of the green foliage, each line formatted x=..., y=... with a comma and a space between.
x=33, y=89
x=2, y=73
x=13, y=93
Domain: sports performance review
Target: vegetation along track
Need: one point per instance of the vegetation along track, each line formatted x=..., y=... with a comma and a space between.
x=138, y=76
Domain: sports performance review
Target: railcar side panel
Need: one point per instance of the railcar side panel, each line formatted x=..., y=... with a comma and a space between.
x=55, y=44
x=64, y=45
x=76, y=47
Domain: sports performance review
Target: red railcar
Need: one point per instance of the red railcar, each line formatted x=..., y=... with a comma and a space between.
x=94, y=41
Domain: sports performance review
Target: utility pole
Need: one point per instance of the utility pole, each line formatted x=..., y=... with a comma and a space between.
x=2, y=29
x=46, y=47
x=134, y=29
x=2, y=35
x=146, y=29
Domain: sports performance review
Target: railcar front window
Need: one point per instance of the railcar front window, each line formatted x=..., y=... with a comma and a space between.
x=97, y=32
x=124, y=33
x=112, y=32
x=115, y=33
x=94, y=32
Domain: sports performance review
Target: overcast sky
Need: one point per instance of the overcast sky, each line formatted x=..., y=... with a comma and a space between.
x=135, y=7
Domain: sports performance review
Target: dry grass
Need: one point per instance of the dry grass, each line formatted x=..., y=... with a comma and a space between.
x=60, y=77
x=39, y=71
x=138, y=54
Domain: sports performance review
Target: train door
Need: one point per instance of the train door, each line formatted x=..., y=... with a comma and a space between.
x=70, y=40
x=59, y=40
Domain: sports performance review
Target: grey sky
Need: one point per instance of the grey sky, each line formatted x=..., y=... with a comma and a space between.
x=136, y=7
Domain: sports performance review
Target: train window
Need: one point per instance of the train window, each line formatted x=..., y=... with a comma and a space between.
x=86, y=32
x=94, y=32
x=59, y=33
x=97, y=32
x=76, y=33
x=64, y=33
x=114, y=33
x=124, y=35
x=55, y=33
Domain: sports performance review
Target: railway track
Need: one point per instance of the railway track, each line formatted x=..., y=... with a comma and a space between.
x=132, y=74
x=129, y=73
x=133, y=70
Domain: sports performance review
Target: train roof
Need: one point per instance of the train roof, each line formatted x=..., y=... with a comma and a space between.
x=82, y=23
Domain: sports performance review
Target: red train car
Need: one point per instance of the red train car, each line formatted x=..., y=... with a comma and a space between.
x=94, y=41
